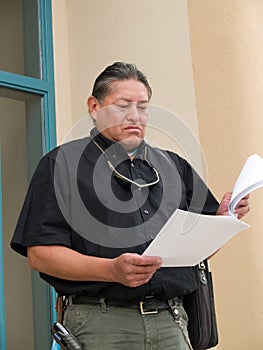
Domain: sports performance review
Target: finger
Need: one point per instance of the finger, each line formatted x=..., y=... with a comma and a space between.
x=227, y=196
x=144, y=269
x=243, y=203
x=139, y=260
x=246, y=196
x=140, y=281
x=242, y=211
x=135, y=279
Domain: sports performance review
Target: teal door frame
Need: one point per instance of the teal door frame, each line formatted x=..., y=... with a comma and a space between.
x=43, y=87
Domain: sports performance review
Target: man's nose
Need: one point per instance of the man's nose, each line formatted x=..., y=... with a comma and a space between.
x=133, y=114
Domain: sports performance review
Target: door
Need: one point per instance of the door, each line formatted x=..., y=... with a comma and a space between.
x=26, y=298
x=27, y=131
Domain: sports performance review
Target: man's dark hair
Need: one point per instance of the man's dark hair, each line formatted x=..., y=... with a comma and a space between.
x=117, y=71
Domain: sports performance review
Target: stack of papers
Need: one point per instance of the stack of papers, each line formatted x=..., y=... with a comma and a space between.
x=250, y=178
x=187, y=238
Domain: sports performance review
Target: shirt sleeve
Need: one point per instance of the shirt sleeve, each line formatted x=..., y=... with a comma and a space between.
x=41, y=221
x=199, y=198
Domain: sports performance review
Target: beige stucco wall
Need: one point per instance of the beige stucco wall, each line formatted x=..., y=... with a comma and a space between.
x=226, y=55
x=227, y=51
x=62, y=68
x=154, y=35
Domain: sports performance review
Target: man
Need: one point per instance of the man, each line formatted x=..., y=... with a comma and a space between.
x=92, y=208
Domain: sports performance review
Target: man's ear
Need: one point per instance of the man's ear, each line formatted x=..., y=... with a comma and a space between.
x=93, y=104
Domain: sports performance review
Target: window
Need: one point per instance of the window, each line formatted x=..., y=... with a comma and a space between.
x=27, y=131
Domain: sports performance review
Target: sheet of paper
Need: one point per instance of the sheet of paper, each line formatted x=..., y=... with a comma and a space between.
x=250, y=178
x=188, y=238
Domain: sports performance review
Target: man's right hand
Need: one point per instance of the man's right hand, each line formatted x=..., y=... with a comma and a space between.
x=133, y=270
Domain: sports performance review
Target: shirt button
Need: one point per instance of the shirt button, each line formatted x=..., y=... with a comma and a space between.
x=146, y=212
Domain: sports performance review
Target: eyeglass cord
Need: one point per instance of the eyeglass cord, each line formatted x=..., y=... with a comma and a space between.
x=124, y=178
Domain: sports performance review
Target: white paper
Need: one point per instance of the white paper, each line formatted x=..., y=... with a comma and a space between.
x=250, y=178
x=188, y=238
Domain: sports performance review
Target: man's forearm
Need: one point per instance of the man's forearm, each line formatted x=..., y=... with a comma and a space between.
x=129, y=269
x=65, y=263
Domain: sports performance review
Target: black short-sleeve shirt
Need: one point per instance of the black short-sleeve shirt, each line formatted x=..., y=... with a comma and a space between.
x=79, y=198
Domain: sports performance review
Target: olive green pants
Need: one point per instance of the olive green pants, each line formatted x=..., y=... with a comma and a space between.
x=98, y=327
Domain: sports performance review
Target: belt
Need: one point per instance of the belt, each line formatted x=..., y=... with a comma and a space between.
x=150, y=305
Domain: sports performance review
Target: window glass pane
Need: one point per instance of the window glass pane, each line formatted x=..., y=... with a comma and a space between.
x=19, y=37
x=26, y=297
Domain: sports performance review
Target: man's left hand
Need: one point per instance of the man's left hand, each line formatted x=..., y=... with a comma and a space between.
x=241, y=209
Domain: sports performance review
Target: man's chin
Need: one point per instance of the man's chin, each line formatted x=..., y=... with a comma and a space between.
x=131, y=143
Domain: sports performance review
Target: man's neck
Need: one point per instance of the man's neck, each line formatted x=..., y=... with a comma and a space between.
x=132, y=153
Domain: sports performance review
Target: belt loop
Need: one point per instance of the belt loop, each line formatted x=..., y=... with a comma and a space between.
x=103, y=305
x=70, y=301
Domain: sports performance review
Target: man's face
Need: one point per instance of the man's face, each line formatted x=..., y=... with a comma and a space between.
x=123, y=114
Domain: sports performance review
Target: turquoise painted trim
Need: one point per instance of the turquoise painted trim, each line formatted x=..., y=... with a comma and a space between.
x=45, y=88
x=45, y=14
x=53, y=299
x=23, y=83
x=2, y=290
x=49, y=122
x=55, y=346
x=45, y=20
x=36, y=86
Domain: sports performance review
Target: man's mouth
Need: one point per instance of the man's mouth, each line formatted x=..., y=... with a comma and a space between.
x=133, y=128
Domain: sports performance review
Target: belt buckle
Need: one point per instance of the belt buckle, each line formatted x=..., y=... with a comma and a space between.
x=143, y=312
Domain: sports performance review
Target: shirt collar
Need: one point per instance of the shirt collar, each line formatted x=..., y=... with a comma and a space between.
x=114, y=149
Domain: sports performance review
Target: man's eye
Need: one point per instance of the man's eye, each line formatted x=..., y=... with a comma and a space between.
x=122, y=106
x=143, y=108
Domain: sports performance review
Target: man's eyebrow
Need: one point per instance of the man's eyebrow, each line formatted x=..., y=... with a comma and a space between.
x=128, y=100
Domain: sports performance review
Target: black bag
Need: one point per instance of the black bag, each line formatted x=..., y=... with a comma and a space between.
x=200, y=307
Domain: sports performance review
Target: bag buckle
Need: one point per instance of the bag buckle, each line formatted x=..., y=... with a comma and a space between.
x=143, y=312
